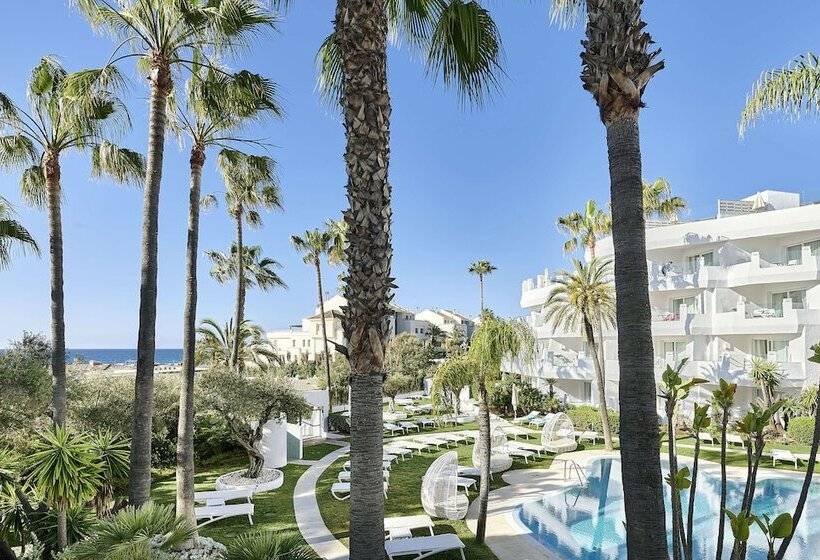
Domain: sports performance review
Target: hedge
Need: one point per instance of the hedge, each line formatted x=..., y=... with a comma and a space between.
x=586, y=417
x=801, y=430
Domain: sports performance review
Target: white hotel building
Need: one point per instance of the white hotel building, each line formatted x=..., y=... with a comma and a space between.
x=723, y=291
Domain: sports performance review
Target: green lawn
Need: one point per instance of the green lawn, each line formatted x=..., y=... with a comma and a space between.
x=403, y=498
x=735, y=456
x=273, y=511
x=314, y=452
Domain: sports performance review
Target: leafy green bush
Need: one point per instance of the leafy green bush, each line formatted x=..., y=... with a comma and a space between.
x=801, y=430
x=339, y=423
x=586, y=417
x=25, y=390
x=529, y=398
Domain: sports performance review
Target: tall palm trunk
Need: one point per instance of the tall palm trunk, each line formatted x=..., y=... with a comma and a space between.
x=640, y=444
x=239, y=313
x=599, y=380
x=185, y=425
x=484, y=441
x=804, y=491
x=690, y=516
x=481, y=291
x=318, y=265
x=361, y=27
x=678, y=538
x=51, y=165
x=139, y=480
x=724, y=425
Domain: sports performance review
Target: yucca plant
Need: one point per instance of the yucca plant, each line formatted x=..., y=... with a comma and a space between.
x=64, y=472
x=134, y=534
x=167, y=38
x=270, y=546
x=112, y=451
x=36, y=135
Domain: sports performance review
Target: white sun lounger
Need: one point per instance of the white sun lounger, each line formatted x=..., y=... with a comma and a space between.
x=407, y=426
x=216, y=508
x=469, y=434
x=706, y=437
x=344, y=476
x=455, y=437
x=468, y=471
x=402, y=452
x=414, y=445
x=588, y=435
x=411, y=409
x=422, y=547
x=393, y=428
x=528, y=418
x=341, y=490
x=425, y=422
x=385, y=465
x=401, y=527
x=516, y=452
x=785, y=456
x=404, y=401
x=735, y=438
x=538, y=449
x=465, y=482
x=438, y=442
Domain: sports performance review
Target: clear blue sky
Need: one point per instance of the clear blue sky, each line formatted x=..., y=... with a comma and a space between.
x=468, y=184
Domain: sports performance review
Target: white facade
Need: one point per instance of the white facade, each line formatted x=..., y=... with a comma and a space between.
x=304, y=342
x=723, y=291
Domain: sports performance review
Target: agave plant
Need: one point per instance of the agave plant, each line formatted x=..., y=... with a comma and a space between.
x=134, y=534
x=270, y=546
x=113, y=451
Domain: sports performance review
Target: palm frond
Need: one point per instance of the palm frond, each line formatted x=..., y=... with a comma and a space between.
x=793, y=90
x=120, y=164
x=465, y=49
x=567, y=13
x=330, y=73
x=17, y=150
x=33, y=186
x=13, y=234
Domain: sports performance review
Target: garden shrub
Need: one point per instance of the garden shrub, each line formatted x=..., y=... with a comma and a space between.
x=586, y=417
x=529, y=398
x=801, y=430
x=339, y=423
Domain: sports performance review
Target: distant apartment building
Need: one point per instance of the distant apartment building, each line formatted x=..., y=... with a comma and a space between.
x=723, y=291
x=304, y=341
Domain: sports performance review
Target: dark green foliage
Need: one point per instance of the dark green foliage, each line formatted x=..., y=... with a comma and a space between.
x=529, y=399
x=801, y=430
x=25, y=389
x=586, y=417
x=409, y=356
x=339, y=423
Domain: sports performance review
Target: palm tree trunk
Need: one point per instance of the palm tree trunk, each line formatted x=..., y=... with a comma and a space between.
x=484, y=441
x=240, y=294
x=481, y=291
x=139, y=480
x=318, y=265
x=185, y=425
x=677, y=513
x=599, y=380
x=640, y=444
x=51, y=165
x=804, y=491
x=690, y=518
x=722, y=521
x=361, y=27
x=62, y=528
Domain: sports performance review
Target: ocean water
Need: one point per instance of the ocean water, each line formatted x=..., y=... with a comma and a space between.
x=586, y=522
x=121, y=355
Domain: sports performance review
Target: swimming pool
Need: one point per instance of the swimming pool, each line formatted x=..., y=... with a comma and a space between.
x=586, y=523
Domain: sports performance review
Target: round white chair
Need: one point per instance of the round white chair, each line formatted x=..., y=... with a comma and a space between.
x=439, y=489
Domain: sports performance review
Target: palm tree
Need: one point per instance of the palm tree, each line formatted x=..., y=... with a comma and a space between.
x=313, y=244
x=64, y=470
x=618, y=63
x=55, y=122
x=216, y=344
x=723, y=399
x=494, y=340
x=13, y=233
x=789, y=90
x=111, y=450
x=481, y=269
x=270, y=546
x=585, y=228
x=768, y=376
x=460, y=42
x=134, y=533
x=251, y=185
x=659, y=202
x=584, y=298
x=217, y=107
x=167, y=37
x=436, y=335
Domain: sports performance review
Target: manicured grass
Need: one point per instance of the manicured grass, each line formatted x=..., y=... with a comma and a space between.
x=316, y=451
x=736, y=457
x=273, y=510
x=404, y=498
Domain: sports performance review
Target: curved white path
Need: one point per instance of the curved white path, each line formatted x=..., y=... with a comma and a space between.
x=309, y=518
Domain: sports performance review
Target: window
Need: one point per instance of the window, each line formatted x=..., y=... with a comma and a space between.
x=773, y=350
x=794, y=254
x=674, y=351
x=691, y=304
x=693, y=262
x=587, y=391
x=798, y=298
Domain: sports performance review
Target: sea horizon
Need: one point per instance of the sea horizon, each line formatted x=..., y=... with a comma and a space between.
x=120, y=355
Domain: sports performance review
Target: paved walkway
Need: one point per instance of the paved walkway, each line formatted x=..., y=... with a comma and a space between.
x=309, y=518
x=510, y=540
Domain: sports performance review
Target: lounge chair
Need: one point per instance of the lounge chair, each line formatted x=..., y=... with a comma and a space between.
x=528, y=418
x=455, y=437
x=344, y=476
x=438, y=442
x=516, y=431
x=538, y=422
x=707, y=437
x=216, y=508
x=589, y=435
x=407, y=426
x=736, y=439
x=785, y=456
x=393, y=428
x=413, y=445
x=341, y=490
x=516, y=452
x=538, y=449
x=385, y=465
x=401, y=527
x=422, y=547
x=425, y=422
x=469, y=471
x=404, y=401
x=402, y=452
x=465, y=482
x=412, y=409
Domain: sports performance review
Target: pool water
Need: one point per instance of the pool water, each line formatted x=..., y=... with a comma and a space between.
x=586, y=522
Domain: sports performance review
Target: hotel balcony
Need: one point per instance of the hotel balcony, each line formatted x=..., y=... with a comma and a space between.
x=534, y=291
